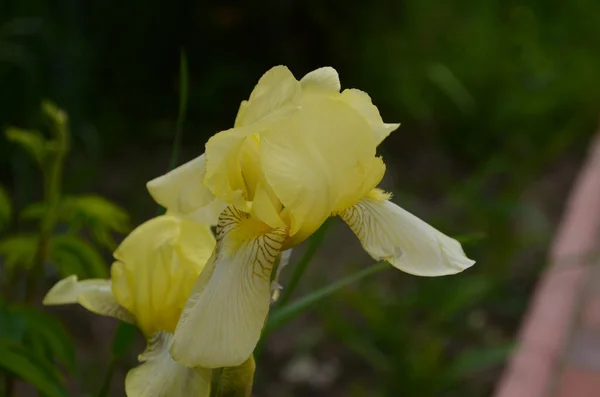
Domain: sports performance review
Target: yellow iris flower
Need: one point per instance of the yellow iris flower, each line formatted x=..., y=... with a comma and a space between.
x=299, y=152
x=155, y=269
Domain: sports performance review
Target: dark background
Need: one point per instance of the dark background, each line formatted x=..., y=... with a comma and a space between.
x=497, y=100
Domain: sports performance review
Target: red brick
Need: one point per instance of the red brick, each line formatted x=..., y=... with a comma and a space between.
x=544, y=333
x=576, y=382
x=591, y=312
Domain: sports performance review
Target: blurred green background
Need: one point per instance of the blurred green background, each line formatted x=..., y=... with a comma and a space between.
x=497, y=100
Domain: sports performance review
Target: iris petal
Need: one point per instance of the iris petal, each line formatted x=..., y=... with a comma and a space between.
x=227, y=308
x=181, y=191
x=95, y=295
x=387, y=232
x=160, y=376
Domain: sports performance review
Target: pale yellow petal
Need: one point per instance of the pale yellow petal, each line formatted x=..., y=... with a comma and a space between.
x=95, y=295
x=160, y=376
x=226, y=311
x=387, y=232
x=276, y=91
x=266, y=207
x=237, y=381
x=310, y=161
x=182, y=192
x=361, y=102
x=156, y=267
x=324, y=80
x=224, y=175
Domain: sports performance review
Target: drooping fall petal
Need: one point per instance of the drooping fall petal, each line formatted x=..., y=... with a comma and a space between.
x=387, y=232
x=160, y=376
x=226, y=311
x=95, y=295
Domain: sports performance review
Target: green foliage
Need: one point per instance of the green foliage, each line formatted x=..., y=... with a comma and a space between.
x=32, y=341
x=92, y=212
x=32, y=325
x=285, y=314
x=72, y=255
x=18, y=250
x=475, y=360
x=31, y=141
x=5, y=209
x=40, y=373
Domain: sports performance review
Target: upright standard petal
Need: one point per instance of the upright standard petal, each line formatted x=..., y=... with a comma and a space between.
x=160, y=376
x=226, y=311
x=224, y=176
x=361, y=102
x=276, y=91
x=387, y=232
x=313, y=159
x=94, y=294
x=324, y=80
x=181, y=191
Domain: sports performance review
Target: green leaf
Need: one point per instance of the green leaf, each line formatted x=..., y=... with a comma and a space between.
x=123, y=337
x=33, y=211
x=12, y=326
x=285, y=314
x=40, y=373
x=32, y=141
x=18, y=250
x=68, y=263
x=473, y=360
x=120, y=346
x=460, y=293
x=470, y=238
x=47, y=329
x=183, y=98
x=447, y=82
x=99, y=214
x=5, y=208
x=67, y=250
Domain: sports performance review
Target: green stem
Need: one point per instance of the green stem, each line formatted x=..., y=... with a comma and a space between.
x=121, y=344
x=289, y=312
x=313, y=245
x=108, y=377
x=183, y=98
x=9, y=385
x=52, y=191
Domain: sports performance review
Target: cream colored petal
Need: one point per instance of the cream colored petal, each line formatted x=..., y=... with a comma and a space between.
x=324, y=79
x=156, y=267
x=226, y=311
x=224, y=175
x=182, y=192
x=160, y=376
x=266, y=207
x=387, y=232
x=95, y=295
x=311, y=160
x=361, y=102
x=237, y=381
x=276, y=90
